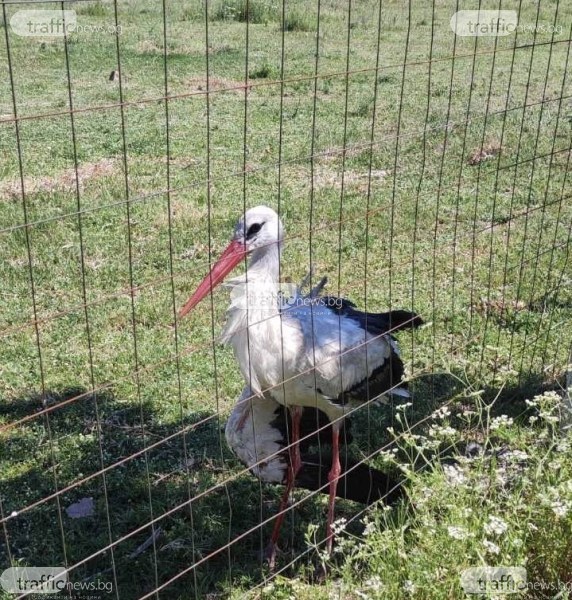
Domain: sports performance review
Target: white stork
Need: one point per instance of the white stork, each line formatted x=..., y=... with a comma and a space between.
x=319, y=353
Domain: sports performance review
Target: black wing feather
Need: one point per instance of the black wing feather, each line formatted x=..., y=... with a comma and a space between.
x=373, y=323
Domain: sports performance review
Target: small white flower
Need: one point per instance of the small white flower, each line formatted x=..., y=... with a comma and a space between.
x=502, y=421
x=442, y=412
x=457, y=533
x=369, y=528
x=339, y=525
x=560, y=508
x=532, y=419
x=495, y=526
x=374, y=582
x=404, y=406
x=491, y=547
x=409, y=586
x=454, y=475
x=549, y=418
x=517, y=455
x=440, y=431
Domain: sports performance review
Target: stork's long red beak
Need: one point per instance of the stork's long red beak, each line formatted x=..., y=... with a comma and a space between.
x=233, y=254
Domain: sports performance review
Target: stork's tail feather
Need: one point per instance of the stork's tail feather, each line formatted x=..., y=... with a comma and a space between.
x=358, y=481
x=400, y=319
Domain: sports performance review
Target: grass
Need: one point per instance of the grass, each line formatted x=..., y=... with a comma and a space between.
x=480, y=250
x=297, y=20
x=251, y=11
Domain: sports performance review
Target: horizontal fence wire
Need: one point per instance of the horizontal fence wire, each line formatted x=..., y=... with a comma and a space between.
x=490, y=240
x=321, y=154
x=132, y=290
x=249, y=84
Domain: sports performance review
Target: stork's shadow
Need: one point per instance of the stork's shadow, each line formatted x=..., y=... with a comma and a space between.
x=185, y=503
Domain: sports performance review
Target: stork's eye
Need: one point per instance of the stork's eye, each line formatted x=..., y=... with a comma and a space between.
x=253, y=230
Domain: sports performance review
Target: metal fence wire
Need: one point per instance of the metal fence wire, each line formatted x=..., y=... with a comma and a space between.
x=415, y=166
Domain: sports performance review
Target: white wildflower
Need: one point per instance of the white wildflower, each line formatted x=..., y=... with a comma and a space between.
x=560, y=508
x=369, y=528
x=502, y=421
x=440, y=431
x=324, y=556
x=495, y=526
x=457, y=533
x=404, y=406
x=339, y=525
x=374, y=582
x=454, y=475
x=549, y=418
x=491, y=547
x=517, y=455
x=441, y=413
x=409, y=586
x=532, y=419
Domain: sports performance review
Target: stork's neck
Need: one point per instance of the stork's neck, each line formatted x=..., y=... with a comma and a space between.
x=252, y=326
x=264, y=264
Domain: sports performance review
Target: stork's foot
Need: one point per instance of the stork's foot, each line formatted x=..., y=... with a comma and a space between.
x=269, y=554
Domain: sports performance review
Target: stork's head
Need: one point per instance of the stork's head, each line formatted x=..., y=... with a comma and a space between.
x=259, y=228
x=257, y=232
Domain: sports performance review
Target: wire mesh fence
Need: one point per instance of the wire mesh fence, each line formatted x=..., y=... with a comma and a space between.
x=417, y=169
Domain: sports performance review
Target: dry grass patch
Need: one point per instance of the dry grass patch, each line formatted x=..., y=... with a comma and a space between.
x=487, y=152
x=216, y=84
x=65, y=181
x=358, y=180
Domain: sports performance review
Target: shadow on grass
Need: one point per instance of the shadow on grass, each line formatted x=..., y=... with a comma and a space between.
x=183, y=461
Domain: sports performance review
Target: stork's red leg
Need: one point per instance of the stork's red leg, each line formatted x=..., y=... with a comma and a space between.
x=333, y=477
x=295, y=464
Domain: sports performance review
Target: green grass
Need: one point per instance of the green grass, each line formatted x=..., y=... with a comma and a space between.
x=251, y=11
x=297, y=20
x=482, y=254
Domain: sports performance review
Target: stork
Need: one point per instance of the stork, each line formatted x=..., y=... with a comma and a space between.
x=320, y=353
